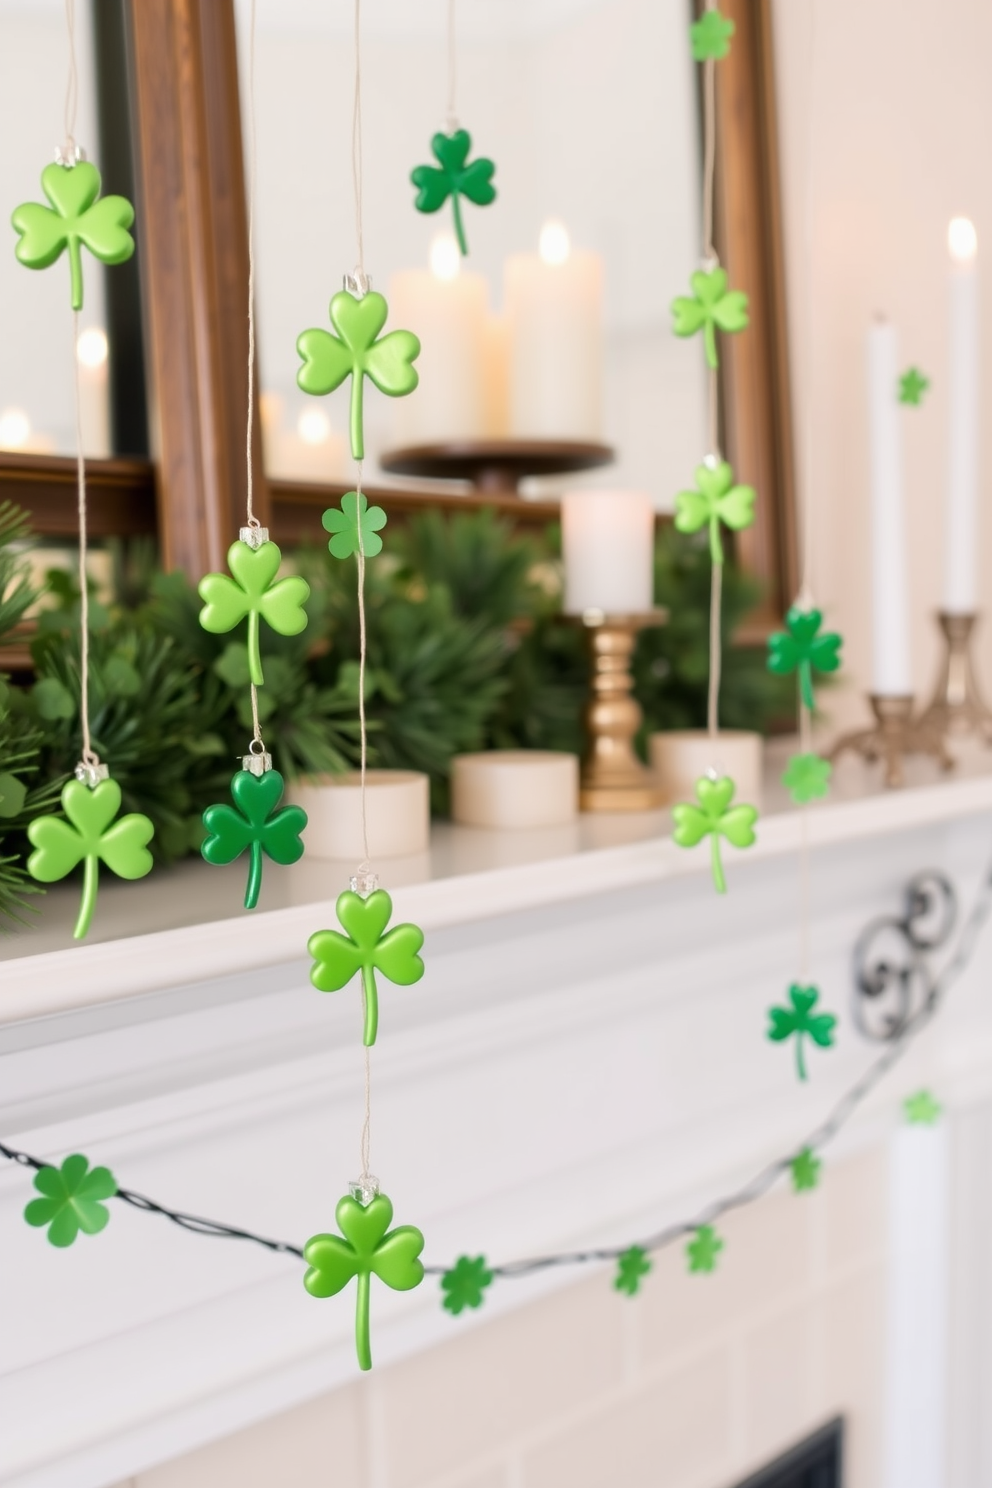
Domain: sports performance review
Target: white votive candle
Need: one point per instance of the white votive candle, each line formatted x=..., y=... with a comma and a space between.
x=891, y=669
x=554, y=313
x=608, y=548
x=961, y=550
x=515, y=788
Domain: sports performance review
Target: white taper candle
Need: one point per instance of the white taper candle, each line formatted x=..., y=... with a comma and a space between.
x=961, y=550
x=891, y=670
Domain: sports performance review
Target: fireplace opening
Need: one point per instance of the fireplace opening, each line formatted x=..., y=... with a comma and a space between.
x=814, y=1463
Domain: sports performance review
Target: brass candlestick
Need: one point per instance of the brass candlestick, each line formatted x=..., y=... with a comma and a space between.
x=957, y=706
x=895, y=735
x=613, y=778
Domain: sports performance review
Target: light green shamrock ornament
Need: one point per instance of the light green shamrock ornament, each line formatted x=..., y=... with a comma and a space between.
x=356, y=352
x=714, y=817
x=75, y=220
x=59, y=847
x=251, y=592
x=355, y=527
x=912, y=385
x=703, y=1249
x=922, y=1109
x=12, y=795
x=712, y=307
x=805, y=1169
x=716, y=500
x=366, y=1251
x=711, y=36
x=367, y=948
x=807, y=777
x=71, y=1201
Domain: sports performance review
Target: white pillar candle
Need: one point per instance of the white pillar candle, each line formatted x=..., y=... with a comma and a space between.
x=397, y=813
x=448, y=309
x=891, y=670
x=554, y=311
x=515, y=788
x=961, y=552
x=608, y=548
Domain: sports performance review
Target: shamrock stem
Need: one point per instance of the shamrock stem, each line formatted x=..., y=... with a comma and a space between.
x=363, y=1342
x=76, y=272
x=716, y=546
x=254, y=655
x=91, y=876
x=459, y=227
x=357, y=424
x=806, y=685
x=800, y=1061
x=719, y=882
x=709, y=338
x=254, y=875
x=370, y=997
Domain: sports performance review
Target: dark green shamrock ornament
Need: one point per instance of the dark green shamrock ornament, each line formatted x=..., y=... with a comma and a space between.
x=358, y=352
x=355, y=527
x=60, y=847
x=464, y=1284
x=716, y=500
x=912, y=386
x=807, y=777
x=714, y=817
x=703, y=1249
x=255, y=825
x=800, y=647
x=805, y=1169
x=454, y=179
x=710, y=36
x=71, y=1201
x=800, y=1020
x=367, y=948
x=366, y=1251
x=632, y=1267
x=75, y=220
x=922, y=1109
x=712, y=307
x=251, y=592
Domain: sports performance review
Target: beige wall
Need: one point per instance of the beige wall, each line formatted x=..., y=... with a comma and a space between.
x=885, y=123
x=693, y=1384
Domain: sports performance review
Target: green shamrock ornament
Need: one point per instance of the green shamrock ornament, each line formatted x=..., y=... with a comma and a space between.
x=703, y=1249
x=356, y=352
x=801, y=647
x=251, y=592
x=715, y=500
x=71, y=1201
x=632, y=1267
x=465, y=1283
x=801, y=1021
x=75, y=220
x=366, y=1251
x=714, y=817
x=912, y=386
x=712, y=307
x=59, y=847
x=355, y=527
x=805, y=1169
x=454, y=179
x=367, y=949
x=807, y=777
x=13, y=793
x=254, y=826
x=922, y=1109
x=711, y=36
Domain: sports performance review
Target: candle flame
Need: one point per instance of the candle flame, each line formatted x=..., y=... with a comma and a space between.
x=91, y=348
x=313, y=426
x=15, y=429
x=446, y=259
x=962, y=239
x=554, y=245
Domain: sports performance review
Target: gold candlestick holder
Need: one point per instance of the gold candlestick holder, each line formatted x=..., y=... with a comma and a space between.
x=613, y=778
x=896, y=734
x=957, y=706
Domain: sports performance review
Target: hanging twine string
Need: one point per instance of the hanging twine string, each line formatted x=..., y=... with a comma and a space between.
x=251, y=519
x=356, y=143
x=452, y=69
x=72, y=84
x=805, y=599
x=710, y=259
x=89, y=756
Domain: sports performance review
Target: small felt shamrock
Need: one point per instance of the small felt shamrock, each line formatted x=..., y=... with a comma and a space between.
x=801, y=648
x=251, y=592
x=465, y=1283
x=356, y=352
x=254, y=826
x=912, y=386
x=355, y=527
x=703, y=1249
x=632, y=1267
x=801, y=1020
x=716, y=500
x=367, y=949
x=716, y=818
x=712, y=307
x=807, y=777
x=805, y=1169
x=922, y=1109
x=711, y=36
x=71, y=1202
x=59, y=847
x=74, y=220
x=454, y=179
x=365, y=1251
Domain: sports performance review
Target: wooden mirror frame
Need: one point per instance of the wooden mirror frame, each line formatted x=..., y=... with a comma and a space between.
x=192, y=229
